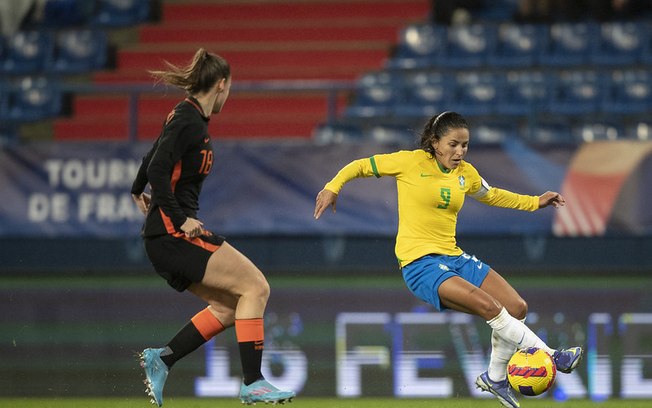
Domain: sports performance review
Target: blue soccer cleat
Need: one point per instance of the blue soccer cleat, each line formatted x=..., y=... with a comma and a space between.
x=567, y=359
x=501, y=389
x=263, y=391
x=156, y=372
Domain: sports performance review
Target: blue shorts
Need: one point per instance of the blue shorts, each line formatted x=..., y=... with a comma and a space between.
x=424, y=276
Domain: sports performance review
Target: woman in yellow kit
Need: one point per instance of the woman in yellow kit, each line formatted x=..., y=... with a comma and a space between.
x=432, y=182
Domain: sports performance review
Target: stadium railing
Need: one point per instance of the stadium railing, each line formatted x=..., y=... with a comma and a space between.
x=332, y=89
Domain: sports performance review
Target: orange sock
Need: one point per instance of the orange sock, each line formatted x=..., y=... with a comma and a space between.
x=251, y=341
x=249, y=330
x=201, y=328
x=207, y=324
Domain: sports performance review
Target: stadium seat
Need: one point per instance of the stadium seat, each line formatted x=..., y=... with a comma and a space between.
x=525, y=92
x=420, y=46
x=426, y=93
x=639, y=129
x=27, y=52
x=592, y=131
x=477, y=93
x=577, y=92
x=494, y=131
x=646, y=53
x=35, y=98
x=618, y=43
x=66, y=13
x=568, y=44
x=391, y=134
x=78, y=51
x=496, y=10
x=8, y=133
x=628, y=91
x=518, y=45
x=5, y=90
x=468, y=45
x=548, y=131
x=329, y=133
x=376, y=94
x=119, y=13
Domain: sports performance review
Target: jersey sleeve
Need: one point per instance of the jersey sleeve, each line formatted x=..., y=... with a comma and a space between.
x=496, y=197
x=140, y=182
x=378, y=165
x=172, y=145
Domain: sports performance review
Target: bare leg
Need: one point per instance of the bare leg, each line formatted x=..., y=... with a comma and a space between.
x=233, y=282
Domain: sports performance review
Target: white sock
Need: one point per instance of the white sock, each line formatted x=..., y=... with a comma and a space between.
x=516, y=332
x=501, y=352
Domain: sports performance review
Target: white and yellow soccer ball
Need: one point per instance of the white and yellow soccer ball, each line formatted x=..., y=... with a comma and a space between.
x=531, y=371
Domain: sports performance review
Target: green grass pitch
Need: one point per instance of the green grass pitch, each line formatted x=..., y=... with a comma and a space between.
x=312, y=403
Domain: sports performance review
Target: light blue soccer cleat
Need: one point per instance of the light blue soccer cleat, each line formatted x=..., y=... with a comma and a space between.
x=263, y=391
x=567, y=359
x=156, y=372
x=500, y=389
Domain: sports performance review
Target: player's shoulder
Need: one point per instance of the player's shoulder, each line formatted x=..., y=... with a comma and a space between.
x=468, y=170
x=417, y=154
x=466, y=166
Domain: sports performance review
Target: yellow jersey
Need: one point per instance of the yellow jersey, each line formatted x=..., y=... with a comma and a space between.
x=429, y=198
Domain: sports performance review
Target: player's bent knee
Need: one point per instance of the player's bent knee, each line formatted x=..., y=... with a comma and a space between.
x=257, y=288
x=489, y=309
x=517, y=308
x=520, y=310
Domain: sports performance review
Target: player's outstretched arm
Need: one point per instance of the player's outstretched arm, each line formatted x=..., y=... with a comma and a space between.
x=551, y=198
x=324, y=199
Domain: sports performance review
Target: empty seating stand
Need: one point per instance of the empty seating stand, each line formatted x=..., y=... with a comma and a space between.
x=33, y=99
x=27, y=52
x=79, y=51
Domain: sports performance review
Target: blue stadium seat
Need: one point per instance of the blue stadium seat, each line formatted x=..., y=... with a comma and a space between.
x=568, y=44
x=596, y=130
x=391, y=134
x=518, y=45
x=427, y=93
x=8, y=133
x=639, y=129
x=35, y=98
x=577, y=92
x=628, y=91
x=619, y=43
x=469, y=45
x=494, y=131
x=496, y=10
x=419, y=46
x=78, y=51
x=120, y=13
x=66, y=13
x=328, y=133
x=525, y=92
x=646, y=54
x=548, y=131
x=27, y=52
x=376, y=94
x=477, y=93
x=5, y=90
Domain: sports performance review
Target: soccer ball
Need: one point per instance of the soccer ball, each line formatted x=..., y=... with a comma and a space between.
x=531, y=371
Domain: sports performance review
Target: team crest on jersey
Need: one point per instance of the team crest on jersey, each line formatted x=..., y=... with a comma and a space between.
x=462, y=181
